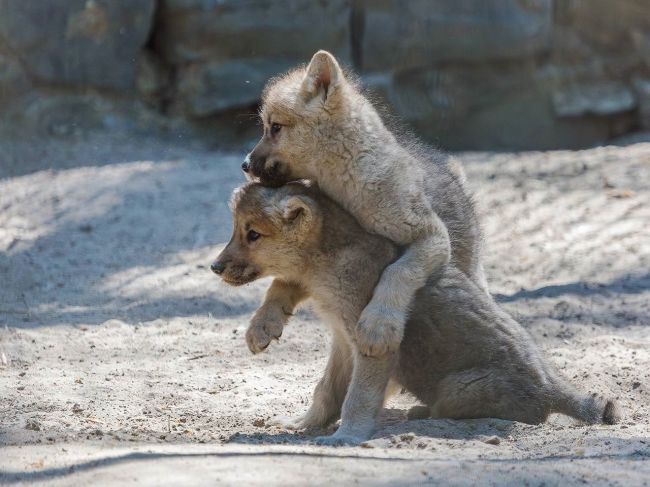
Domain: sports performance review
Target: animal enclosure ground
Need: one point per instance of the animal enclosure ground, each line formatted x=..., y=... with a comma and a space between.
x=122, y=358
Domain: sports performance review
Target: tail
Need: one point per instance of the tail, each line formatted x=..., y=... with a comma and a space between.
x=592, y=409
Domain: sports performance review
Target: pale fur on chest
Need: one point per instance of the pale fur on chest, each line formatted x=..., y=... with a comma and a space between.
x=337, y=301
x=334, y=313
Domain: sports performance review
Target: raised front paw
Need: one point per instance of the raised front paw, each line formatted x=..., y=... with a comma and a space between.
x=379, y=331
x=266, y=325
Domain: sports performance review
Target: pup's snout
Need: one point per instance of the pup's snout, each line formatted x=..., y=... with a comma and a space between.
x=255, y=162
x=245, y=166
x=218, y=267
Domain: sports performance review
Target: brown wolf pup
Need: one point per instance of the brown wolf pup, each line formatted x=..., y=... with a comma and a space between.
x=461, y=355
x=318, y=126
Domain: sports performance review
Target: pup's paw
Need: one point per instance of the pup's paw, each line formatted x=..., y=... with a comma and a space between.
x=379, y=331
x=258, y=338
x=339, y=440
x=265, y=326
x=288, y=422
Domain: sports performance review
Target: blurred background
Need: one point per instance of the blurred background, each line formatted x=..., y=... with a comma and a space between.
x=464, y=74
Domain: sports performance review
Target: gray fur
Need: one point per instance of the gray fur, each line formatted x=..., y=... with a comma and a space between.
x=319, y=126
x=461, y=355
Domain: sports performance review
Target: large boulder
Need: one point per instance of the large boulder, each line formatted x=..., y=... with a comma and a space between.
x=409, y=33
x=642, y=92
x=609, y=25
x=223, y=51
x=78, y=42
x=207, y=88
x=509, y=106
x=13, y=80
x=596, y=97
x=221, y=30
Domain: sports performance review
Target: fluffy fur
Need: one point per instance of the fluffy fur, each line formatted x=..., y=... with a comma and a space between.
x=318, y=126
x=461, y=355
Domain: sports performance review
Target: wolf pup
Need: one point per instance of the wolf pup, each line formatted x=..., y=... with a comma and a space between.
x=461, y=355
x=318, y=126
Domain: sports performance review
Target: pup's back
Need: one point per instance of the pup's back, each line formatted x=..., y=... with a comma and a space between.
x=466, y=358
x=461, y=354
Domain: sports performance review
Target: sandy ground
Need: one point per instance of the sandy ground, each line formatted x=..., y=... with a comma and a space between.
x=122, y=359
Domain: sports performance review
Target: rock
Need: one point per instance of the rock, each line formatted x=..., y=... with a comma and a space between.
x=79, y=42
x=65, y=115
x=13, y=80
x=596, y=98
x=642, y=92
x=153, y=80
x=408, y=437
x=506, y=106
x=418, y=412
x=464, y=74
x=492, y=440
x=404, y=34
x=207, y=88
x=570, y=49
x=377, y=86
x=221, y=30
x=225, y=50
x=616, y=26
x=33, y=425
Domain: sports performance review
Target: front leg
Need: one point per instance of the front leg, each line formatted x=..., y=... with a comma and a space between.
x=363, y=401
x=269, y=320
x=381, y=325
x=330, y=390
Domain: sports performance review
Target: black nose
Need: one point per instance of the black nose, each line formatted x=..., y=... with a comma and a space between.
x=217, y=267
x=245, y=166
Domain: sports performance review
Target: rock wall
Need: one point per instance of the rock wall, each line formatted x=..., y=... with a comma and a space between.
x=76, y=42
x=465, y=74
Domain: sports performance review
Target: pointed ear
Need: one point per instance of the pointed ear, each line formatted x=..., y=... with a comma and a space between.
x=297, y=208
x=324, y=76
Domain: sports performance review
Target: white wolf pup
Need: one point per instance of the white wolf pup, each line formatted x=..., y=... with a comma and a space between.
x=318, y=126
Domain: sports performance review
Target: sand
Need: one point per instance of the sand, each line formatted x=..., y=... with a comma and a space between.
x=122, y=358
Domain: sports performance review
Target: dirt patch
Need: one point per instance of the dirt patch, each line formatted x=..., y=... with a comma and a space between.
x=116, y=338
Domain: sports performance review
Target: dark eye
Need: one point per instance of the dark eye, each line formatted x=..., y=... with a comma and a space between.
x=252, y=235
x=275, y=129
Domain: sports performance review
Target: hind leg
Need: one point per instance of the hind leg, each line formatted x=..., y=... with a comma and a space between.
x=363, y=401
x=489, y=393
x=330, y=390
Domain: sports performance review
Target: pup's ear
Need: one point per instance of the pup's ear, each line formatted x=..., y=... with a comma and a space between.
x=323, y=78
x=298, y=209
